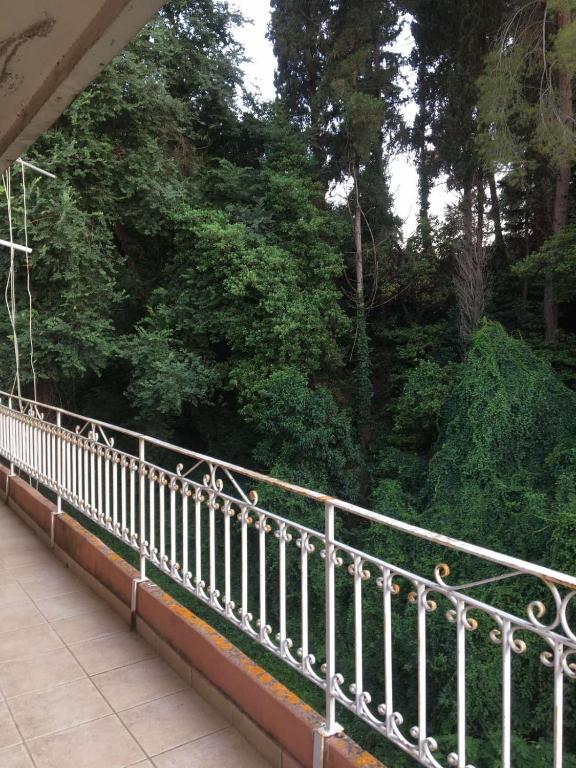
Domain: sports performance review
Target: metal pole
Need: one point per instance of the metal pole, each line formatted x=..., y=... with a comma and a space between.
x=59, y=461
x=142, y=456
x=15, y=246
x=35, y=168
x=331, y=727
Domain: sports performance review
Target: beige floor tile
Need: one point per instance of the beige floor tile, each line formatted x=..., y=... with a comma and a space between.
x=111, y=652
x=13, y=541
x=65, y=706
x=12, y=592
x=19, y=615
x=44, y=572
x=11, y=522
x=171, y=721
x=9, y=735
x=23, y=558
x=56, y=584
x=22, y=544
x=89, y=626
x=28, y=642
x=70, y=604
x=36, y=673
x=225, y=749
x=7, y=577
x=138, y=683
x=102, y=743
x=15, y=757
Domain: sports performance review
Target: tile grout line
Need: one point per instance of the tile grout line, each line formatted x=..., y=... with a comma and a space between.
x=36, y=691
x=24, y=742
x=153, y=655
x=71, y=727
x=228, y=727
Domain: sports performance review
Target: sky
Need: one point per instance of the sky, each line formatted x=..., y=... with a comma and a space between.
x=259, y=74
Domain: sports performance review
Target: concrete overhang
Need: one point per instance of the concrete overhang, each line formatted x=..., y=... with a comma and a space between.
x=50, y=50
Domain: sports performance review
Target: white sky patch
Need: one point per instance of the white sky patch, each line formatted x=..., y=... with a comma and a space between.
x=259, y=71
x=259, y=74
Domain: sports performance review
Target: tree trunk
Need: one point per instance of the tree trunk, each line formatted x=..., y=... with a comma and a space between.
x=497, y=219
x=358, y=256
x=362, y=351
x=470, y=276
x=563, y=175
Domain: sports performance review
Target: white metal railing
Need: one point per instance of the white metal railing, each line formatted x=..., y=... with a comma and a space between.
x=201, y=524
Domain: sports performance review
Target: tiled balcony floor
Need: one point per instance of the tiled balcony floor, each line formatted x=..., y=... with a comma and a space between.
x=79, y=690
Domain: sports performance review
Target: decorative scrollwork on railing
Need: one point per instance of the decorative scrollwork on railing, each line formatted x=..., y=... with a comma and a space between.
x=559, y=620
x=218, y=479
x=453, y=760
x=356, y=568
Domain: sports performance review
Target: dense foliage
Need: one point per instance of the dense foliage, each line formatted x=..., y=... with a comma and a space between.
x=193, y=276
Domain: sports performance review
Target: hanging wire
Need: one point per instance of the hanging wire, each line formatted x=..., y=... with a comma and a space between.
x=10, y=291
x=28, y=288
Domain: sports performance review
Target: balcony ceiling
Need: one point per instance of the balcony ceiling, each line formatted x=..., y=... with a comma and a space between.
x=50, y=50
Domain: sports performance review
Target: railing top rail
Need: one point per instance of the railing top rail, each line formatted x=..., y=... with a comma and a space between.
x=497, y=558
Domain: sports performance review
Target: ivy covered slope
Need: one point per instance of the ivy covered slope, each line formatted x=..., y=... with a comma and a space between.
x=508, y=428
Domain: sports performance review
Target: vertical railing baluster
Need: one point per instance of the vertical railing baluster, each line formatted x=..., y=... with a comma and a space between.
x=133, y=470
x=114, y=492
x=304, y=598
x=99, y=480
x=11, y=437
x=68, y=466
x=58, y=454
x=152, y=512
x=358, y=659
x=228, y=512
x=388, y=668
x=330, y=629
x=244, y=567
x=185, y=566
x=74, y=461
x=173, y=555
x=198, y=540
x=26, y=442
x=93, y=449
x=123, y=463
x=506, y=693
x=262, y=524
x=212, y=546
x=52, y=457
x=162, y=504
x=558, y=706
x=142, y=503
x=107, y=511
x=81, y=473
x=44, y=453
x=422, y=654
x=461, y=680
x=282, y=533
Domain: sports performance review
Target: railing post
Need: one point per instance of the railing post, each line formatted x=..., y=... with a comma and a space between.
x=59, y=473
x=331, y=726
x=59, y=476
x=142, y=491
